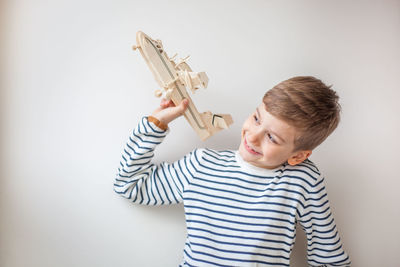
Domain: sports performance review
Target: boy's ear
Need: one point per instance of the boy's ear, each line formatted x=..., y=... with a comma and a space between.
x=299, y=157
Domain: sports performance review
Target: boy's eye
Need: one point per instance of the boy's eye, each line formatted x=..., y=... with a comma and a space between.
x=255, y=118
x=270, y=137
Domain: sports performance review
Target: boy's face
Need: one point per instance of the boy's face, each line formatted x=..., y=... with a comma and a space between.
x=268, y=142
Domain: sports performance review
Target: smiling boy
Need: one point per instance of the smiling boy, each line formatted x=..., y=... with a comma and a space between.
x=268, y=142
x=242, y=207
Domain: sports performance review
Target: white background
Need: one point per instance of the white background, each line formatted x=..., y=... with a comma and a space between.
x=72, y=90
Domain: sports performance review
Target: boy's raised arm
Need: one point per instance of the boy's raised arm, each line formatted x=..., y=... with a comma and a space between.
x=140, y=180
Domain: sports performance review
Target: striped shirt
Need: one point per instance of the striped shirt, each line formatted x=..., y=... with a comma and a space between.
x=236, y=214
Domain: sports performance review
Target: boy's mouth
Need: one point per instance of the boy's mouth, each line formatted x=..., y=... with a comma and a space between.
x=249, y=149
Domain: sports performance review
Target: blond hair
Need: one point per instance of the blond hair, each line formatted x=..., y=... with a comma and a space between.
x=307, y=104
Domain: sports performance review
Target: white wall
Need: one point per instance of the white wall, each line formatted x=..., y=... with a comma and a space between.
x=72, y=90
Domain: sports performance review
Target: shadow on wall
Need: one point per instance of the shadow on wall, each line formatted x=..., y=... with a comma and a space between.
x=3, y=97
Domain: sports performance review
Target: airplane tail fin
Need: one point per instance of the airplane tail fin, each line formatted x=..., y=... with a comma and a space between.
x=216, y=122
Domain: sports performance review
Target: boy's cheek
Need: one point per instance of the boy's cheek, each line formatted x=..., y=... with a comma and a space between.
x=272, y=154
x=245, y=127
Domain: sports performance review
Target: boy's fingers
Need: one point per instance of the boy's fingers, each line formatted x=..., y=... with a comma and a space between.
x=166, y=103
x=168, y=112
x=179, y=110
x=185, y=104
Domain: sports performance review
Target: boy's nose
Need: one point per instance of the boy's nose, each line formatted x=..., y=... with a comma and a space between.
x=255, y=136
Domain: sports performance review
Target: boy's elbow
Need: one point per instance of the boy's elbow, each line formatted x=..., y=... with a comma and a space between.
x=116, y=188
x=120, y=190
x=118, y=185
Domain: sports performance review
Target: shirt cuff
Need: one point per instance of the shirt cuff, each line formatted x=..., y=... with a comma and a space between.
x=158, y=123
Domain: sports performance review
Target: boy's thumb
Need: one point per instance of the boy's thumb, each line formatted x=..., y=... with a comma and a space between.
x=182, y=107
x=175, y=112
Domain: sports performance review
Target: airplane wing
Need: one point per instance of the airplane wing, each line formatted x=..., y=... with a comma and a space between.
x=173, y=78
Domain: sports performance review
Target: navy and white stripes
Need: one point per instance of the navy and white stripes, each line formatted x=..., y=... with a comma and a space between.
x=236, y=214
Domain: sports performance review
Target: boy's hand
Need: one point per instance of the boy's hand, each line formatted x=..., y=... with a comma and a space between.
x=168, y=112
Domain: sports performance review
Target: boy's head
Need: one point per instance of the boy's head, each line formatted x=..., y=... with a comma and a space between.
x=295, y=117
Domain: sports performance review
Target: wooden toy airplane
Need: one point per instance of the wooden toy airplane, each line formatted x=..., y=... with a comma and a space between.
x=174, y=78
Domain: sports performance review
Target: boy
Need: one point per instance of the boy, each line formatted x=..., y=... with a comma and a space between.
x=242, y=206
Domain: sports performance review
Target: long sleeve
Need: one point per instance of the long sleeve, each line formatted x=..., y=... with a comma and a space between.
x=324, y=247
x=144, y=182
